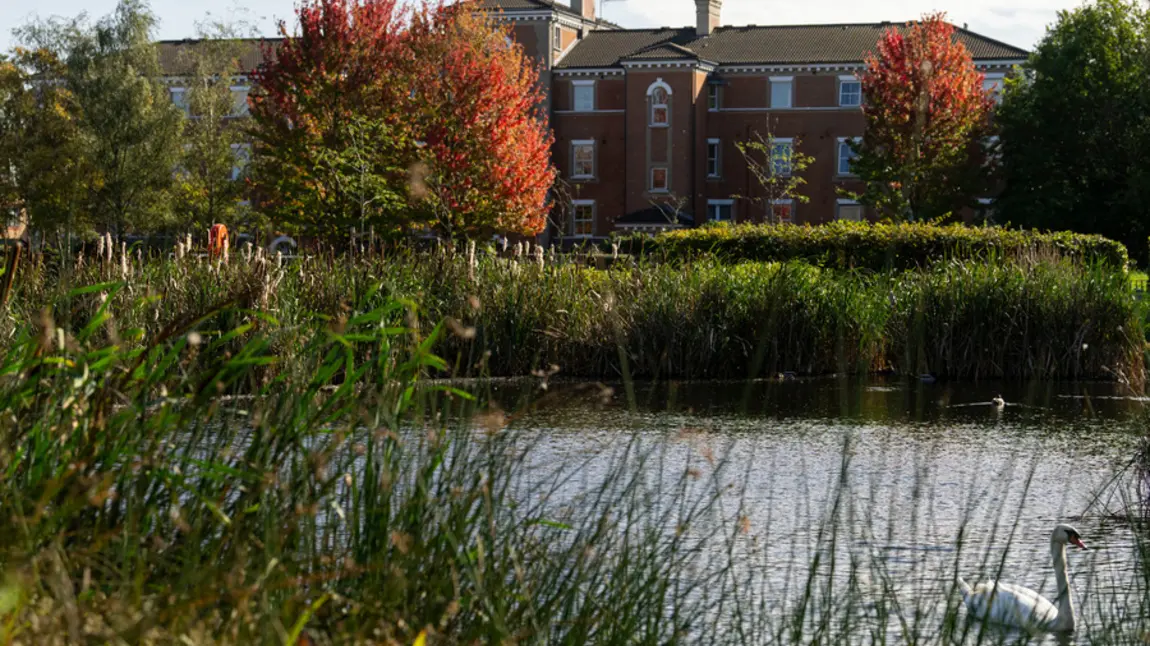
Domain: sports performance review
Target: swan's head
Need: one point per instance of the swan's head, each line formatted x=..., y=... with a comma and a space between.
x=1067, y=535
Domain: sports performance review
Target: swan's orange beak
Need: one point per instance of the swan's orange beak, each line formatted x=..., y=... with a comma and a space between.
x=1078, y=541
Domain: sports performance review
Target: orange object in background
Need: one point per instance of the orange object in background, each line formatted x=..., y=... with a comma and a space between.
x=217, y=239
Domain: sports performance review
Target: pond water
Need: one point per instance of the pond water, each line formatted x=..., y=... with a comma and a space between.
x=885, y=476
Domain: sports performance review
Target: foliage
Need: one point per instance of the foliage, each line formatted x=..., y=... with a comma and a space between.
x=41, y=145
x=777, y=169
x=129, y=129
x=1076, y=130
x=927, y=115
x=988, y=317
x=377, y=116
x=208, y=189
x=876, y=247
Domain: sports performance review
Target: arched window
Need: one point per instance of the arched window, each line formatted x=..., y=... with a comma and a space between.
x=659, y=96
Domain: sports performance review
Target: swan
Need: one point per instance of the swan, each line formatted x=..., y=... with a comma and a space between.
x=1020, y=607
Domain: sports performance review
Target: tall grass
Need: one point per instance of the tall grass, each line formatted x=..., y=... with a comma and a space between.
x=343, y=499
x=1043, y=319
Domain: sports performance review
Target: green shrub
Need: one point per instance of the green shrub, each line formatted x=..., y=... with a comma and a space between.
x=861, y=245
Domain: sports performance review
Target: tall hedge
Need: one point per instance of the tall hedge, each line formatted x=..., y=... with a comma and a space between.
x=870, y=246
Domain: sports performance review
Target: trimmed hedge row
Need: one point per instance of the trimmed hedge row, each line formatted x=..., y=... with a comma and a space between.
x=880, y=246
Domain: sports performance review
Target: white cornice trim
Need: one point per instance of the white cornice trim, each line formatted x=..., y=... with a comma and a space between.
x=585, y=113
x=657, y=64
x=584, y=71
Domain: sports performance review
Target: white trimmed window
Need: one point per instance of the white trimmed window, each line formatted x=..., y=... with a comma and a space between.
x=846, y=156
x=783, y=211
x=240, y=100
x=714, y=158
x=660, y=180
x=720, y=210
x=242, y=153
x=583, y=96
x=714, y=97
x=660, y=108
x=850, y=92
x=583, y=218
x=849, y=210
x=782, y=151
x=782, y=92
x=993, y=84
x=583, y=159
x=180, y=99
x=557, y=38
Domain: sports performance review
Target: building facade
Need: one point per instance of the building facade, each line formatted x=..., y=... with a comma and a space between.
x=646, y=121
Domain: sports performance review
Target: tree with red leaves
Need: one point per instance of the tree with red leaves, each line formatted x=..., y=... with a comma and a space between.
x=401, y=119
x=922, y=154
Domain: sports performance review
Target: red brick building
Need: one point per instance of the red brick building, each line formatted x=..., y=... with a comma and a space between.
x=646, y=120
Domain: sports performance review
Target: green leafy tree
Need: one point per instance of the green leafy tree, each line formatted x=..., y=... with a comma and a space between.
x=128, y=125
x=777, y=167
x=210, y=185
x=927, y=115
x=1076, y=128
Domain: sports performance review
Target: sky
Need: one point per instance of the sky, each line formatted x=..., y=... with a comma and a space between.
x=1017, y=22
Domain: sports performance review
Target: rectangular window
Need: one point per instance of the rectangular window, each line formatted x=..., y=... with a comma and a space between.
x=714, y=158
x=782, y=89
x=850, y=92
x=720, y=210
x=659, y=181
x=557, y=38
x=849, y=210
x=583, y=96
x=993, y=84
x=783, y=211
x=583, y=159
x=986, y=209
x=180, y=99
x=583, y=218
x=714, y=99
x=781, y=152
x=243, y=156
x=846, y=156
x=240, y=100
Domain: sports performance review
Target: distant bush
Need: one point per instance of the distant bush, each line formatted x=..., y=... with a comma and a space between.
x=871, y=246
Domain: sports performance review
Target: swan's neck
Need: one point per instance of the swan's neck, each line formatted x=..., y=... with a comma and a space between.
x=1065, y=619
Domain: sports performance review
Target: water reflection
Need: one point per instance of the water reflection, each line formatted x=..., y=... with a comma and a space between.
x=923, y=481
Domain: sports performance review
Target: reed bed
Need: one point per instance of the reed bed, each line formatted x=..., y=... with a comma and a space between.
x=347, y=500
x=514, y=316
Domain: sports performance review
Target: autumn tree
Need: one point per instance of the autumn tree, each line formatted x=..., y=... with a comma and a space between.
x=1076, y=127
x=926, y=118
x=398, y=118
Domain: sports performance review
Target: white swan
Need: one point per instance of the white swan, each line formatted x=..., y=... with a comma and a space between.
x=1020, y=607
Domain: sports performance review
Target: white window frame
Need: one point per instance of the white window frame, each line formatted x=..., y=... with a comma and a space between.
x=843, y=81
x=840, y=142
x=997, y=83
x=788, y=203
x=714, y=97
x=713, y=210
x=182, y=102
x=789, y=143
x=575, y=145
x=557, y=37
x=666, y=175
x=238, y=169
x=717, y=160
x=575, y=204
x=236, y=109
x=775, y=99
x=844, y=202
x=575, y=86
x=659, y=84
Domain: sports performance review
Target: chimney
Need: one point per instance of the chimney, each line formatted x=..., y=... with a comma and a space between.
x=708, y=16
x=585, y=8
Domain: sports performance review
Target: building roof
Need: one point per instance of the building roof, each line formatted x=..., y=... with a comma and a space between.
x=755, y=45
x=512, y=6
x=175, y=54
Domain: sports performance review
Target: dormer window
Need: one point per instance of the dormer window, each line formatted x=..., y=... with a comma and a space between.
x=557, y=38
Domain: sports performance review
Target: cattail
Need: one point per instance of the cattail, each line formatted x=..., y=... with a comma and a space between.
x=471, y=260
x=225, y=258
x=80, y=260
x=124, y=269
x=279, y=259
x=552, y=254
x=188, y=243
x=179, y=250
x=247, y=252
x=505, y=242
x=614, y=251
x=100, y=247
x=518, y=249
x=539, y=255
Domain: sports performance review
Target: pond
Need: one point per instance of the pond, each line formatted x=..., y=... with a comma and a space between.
x=884, y=488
